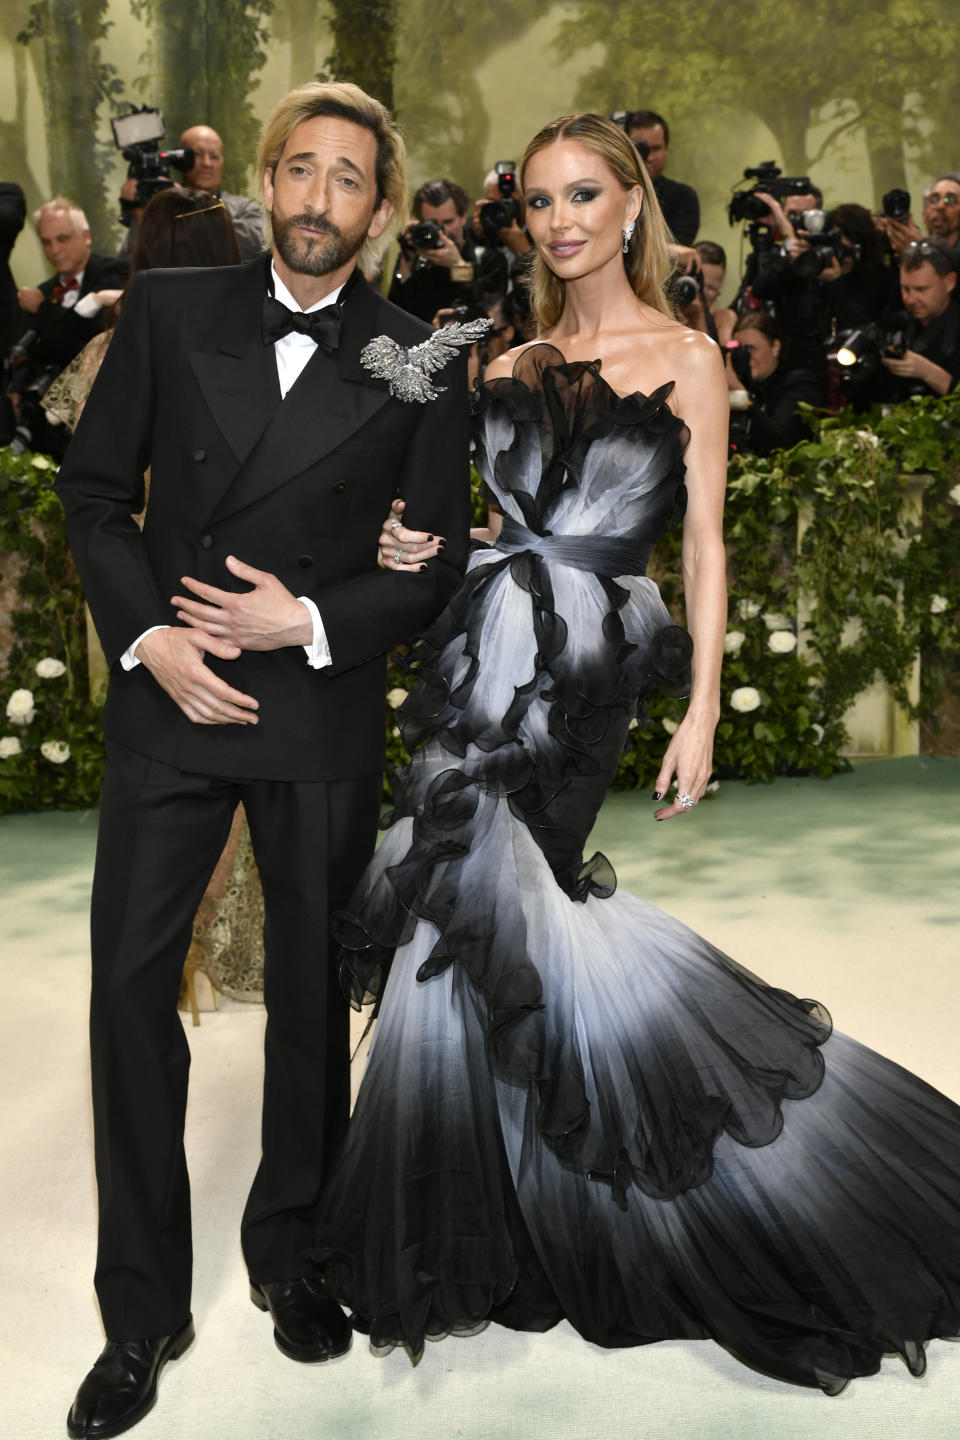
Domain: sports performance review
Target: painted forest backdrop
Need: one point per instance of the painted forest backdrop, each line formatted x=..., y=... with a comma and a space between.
x=862, y=96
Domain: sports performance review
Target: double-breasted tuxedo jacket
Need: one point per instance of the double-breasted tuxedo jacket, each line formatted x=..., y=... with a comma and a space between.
x=297, y=488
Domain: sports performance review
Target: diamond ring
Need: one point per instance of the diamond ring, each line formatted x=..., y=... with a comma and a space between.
x=398, y=557
x=395, y=524
x=686, y=802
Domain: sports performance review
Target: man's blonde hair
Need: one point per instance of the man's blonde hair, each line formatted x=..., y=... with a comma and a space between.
x=344, y=101
x=61, y=205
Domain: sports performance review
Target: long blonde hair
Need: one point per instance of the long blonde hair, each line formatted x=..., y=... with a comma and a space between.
x=647, y=260
x=344, y=101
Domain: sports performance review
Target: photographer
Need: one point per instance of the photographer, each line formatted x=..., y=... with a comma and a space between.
x=764, y=394
x=773, y=277
x=498, y=231
x=713, y=268
x=679, y=203
x=941, y=215
x=205, y=175
x=930, y=364
x=57, y=318
x=435, y=268
x=857, y=287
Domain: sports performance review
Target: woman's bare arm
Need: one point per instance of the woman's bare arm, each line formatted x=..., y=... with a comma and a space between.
x=701, y=396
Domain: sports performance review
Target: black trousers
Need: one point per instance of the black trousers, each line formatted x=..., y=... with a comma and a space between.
x=161, y=834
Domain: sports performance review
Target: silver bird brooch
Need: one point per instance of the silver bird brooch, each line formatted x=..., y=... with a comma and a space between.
x=407, y=371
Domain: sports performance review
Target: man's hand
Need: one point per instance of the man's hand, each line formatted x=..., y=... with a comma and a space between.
x=911, y=366
x=175, y=660
x=29, y=298
x=778, y=215
x=899, y=233
x=446, y=257
x=686, y=256
x=514, y=237
x=268, y=617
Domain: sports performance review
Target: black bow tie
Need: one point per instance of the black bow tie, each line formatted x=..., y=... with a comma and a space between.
x=323, y=326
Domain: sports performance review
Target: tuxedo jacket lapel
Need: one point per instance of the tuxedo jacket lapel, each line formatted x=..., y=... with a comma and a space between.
x=237, y=373
x=333, y=397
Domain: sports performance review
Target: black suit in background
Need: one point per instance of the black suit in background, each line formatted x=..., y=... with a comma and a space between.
x=296, y=487
x=13, y=213
x=61, y=332
x=681, y=208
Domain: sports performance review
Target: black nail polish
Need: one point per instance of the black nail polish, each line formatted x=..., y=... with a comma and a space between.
x=429, y=538
x=658, y=794
x=441, y=544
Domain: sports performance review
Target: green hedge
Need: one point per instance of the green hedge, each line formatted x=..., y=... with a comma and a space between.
x=881, y=588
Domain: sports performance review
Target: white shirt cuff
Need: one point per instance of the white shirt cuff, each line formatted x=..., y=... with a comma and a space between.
x=318, y=652
x=87, y=306
x=129, y=659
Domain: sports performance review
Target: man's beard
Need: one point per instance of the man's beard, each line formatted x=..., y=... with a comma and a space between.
x=314, y=255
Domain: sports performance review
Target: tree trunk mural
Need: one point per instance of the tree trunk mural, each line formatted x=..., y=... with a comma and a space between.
x=75, y=82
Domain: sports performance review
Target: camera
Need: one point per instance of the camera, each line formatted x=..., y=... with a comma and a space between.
x=684, y=289
x=745, y=204
x=825, y=245
x=740, y=360
x=863, y=349
x=426, y=235
x=138, y=135
x=496, y=215
x=896, y=205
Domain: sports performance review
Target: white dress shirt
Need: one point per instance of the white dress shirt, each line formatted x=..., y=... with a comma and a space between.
x=293, y=352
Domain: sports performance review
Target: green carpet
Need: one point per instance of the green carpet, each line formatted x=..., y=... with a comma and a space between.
x=844, y=889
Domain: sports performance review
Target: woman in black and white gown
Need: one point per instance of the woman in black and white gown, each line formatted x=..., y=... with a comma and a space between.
x=574, y=1106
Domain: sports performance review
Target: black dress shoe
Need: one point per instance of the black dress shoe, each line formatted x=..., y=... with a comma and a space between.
x=307, y=1325
x=122, y=1386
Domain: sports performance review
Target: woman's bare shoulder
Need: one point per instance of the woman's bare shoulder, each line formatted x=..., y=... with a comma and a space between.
x=694, y=351
x=502, y=367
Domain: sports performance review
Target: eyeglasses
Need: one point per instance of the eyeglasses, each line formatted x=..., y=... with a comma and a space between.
x=924, y=250
x=922, y=247
x=948, y=199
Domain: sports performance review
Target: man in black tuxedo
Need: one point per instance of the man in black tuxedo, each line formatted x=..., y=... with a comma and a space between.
x=64, y=310
x=58, y=316
x=246, y=628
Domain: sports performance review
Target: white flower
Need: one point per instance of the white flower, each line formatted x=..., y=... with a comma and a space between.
x=10, y=745
x=712, y=787
x=781, y=642
x=938, y=603
x=819, y=732
x=955, y=494
x=50, y=669
x=56, y=751
x=748, y=609
x=867, y=437
x=396, y=697
x=20, y=707
x=774, y=621
x=633, y=723
x=668, y=724
x=745, y=699
x=732, y=642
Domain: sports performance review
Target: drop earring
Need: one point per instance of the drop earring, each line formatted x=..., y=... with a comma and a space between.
x=628, y=235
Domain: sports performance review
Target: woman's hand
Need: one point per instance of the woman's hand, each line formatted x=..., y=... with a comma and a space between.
x=402, y=549
x=689, y=758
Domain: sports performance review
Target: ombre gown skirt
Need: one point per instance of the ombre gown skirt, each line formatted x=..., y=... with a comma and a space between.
x=573, y=1106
